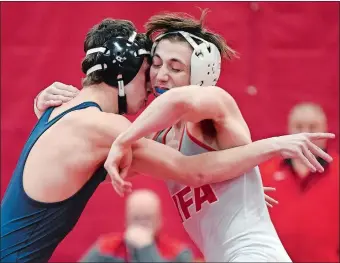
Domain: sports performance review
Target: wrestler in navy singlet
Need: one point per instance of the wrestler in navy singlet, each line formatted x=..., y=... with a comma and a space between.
x=31, y=230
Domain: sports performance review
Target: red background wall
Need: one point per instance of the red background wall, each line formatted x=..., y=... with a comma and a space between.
x=288, y=51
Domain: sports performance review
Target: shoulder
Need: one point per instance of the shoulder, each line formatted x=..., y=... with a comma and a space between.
x=107, y=124
x=104, y=118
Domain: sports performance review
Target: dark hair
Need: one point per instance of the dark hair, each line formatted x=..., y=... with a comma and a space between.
x=101, y=33
x=169, y=22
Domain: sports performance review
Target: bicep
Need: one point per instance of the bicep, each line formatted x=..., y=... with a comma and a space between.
x=214, y=103
x=204, y=103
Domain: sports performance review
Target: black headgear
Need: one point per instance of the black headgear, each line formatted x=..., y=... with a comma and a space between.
x=120, y=60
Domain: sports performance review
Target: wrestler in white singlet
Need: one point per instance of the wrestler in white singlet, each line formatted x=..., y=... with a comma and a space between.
x=228, y=221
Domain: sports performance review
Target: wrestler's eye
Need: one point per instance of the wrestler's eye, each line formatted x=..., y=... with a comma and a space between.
x=176, y=66
x=156, y=62
x=175, y=70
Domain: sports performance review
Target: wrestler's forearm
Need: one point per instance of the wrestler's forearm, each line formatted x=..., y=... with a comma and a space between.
x=227, y=164
x=164, y=162
x=188, y=104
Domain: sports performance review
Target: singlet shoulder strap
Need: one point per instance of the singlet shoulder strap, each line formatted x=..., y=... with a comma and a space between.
x=47, y=114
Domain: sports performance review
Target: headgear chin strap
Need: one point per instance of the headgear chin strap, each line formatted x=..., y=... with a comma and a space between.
x=205, y=59
x=120, y=60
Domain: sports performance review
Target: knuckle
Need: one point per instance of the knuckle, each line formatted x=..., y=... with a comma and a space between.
x=297, y=149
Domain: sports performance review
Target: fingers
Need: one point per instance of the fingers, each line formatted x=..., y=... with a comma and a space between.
x=306, y=161
x=49, y=96
x=119, y=185
x=268, y=204
x=114, y=174
x=311, y=158
x=320, y=135
x=321, y=169
x=319, y=152
x=70, y=89
x=52, y=103
x=59, y=85
x=60, y=91
x=270, y=199
x=118, y=190
x=121, y=190
x=267, y=188
x=65, y=93
x=124, y=172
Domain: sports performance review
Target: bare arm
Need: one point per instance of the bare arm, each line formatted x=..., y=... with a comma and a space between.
x=149, y=157
x=164, y=162
x=191, y=104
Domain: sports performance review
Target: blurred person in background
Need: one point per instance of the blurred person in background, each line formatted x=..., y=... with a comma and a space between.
x=307, y=218
x=142, y=240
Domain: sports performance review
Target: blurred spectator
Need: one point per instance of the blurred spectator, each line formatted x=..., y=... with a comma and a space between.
x=307, y=217
x=142, y=241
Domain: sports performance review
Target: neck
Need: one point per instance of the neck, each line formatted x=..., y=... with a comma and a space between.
x=178, y=126
x=105, y=96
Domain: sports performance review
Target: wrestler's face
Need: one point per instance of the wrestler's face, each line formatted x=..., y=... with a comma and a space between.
x=136, y=90
x=171, y=65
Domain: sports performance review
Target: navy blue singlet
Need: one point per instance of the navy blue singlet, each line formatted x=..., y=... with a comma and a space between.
x=31, y=230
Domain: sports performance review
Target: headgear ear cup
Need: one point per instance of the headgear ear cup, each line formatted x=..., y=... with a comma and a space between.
x=205, y=59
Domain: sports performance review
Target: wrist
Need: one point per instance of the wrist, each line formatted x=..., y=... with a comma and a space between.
x=271, y=146
x=123, y=139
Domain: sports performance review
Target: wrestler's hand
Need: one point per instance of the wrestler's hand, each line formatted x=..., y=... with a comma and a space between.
x=55, y=95
x=117, y=165
x=269, y=200
x=301, y=146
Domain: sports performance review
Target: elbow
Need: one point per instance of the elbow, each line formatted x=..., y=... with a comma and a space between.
x=198, y=179
x=193, y=176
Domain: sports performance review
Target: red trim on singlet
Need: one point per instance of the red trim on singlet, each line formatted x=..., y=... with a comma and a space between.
x=165, y=134
x=198, y=142
x=156, y=135
x=181, y=139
